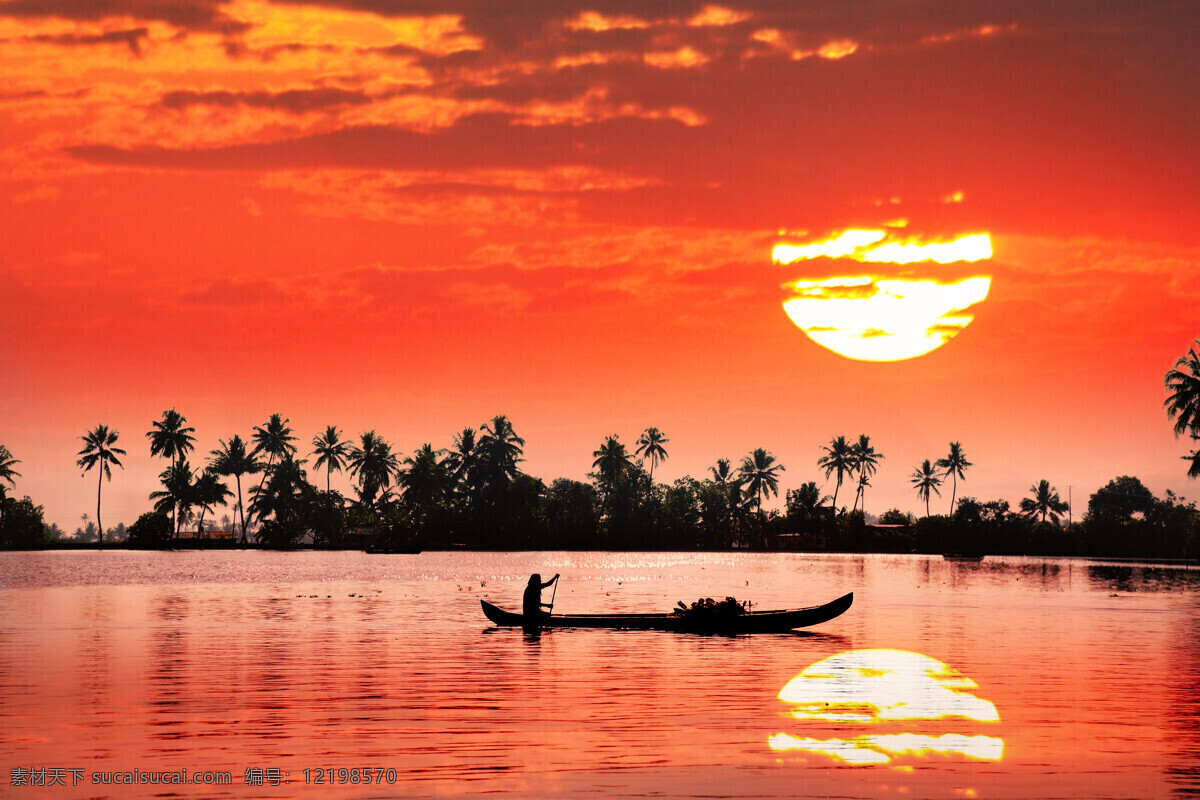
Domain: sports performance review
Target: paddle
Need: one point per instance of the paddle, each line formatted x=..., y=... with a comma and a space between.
x=552, y=594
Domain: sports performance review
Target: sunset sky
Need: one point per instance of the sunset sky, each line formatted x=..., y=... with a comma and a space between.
x=412, y=216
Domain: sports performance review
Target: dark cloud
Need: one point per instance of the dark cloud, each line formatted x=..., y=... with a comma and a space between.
x=296, y=101
x=130, y=38
x=203, y=15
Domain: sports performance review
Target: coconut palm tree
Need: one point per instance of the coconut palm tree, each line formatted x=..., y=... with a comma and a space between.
x=424, y=478
x=7, y=473
x=926, y=479
x=171, y=438
x=650, y=445
x=866, y=461
x=99, y=450
x=177, y=495
x=612, y=464
x=374, y=464
x=500, y=450
x=275, y=439
x=207, y=492
x=760, y=474
x=839, y=457
x=231, y=458
x=955, y=465
x=1045, y=501
x=723, y=472
x=331, y=451
x=280, y=495
x=1183, y=403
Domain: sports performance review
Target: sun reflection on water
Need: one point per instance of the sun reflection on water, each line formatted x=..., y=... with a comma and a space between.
x=872, y=687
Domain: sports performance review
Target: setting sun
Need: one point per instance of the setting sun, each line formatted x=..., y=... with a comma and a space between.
x=878, y=317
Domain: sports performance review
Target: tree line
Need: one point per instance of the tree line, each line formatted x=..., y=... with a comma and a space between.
x=474, y=493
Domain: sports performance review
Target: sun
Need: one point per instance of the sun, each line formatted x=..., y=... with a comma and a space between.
x=880, y=316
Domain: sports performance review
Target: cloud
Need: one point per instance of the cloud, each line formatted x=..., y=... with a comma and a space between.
x=296, y=101
x=227, y=293
x=197, y=15
x=130, y=38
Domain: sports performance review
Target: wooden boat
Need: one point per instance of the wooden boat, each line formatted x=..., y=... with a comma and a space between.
x=753, y=622
x=963, y=557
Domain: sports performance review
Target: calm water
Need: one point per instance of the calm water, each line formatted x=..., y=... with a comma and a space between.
x=117, y=661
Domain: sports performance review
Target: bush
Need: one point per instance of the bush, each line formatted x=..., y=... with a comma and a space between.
x=151, y=531
x=708, y=609
x=22, y=526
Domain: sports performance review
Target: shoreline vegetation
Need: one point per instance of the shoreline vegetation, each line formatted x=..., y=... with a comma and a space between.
x=473, y=495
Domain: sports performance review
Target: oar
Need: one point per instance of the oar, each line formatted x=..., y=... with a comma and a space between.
x=552, y=594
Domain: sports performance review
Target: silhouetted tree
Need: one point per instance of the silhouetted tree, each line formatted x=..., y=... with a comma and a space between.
x=99, y=450
x=865, y=461
x=926, y=480
x=839, y=458
x=207, y=492
x=231, y=458
x=177, y=495
x=275, y=439
x=7, y=473
x=1045, y=501
x=22, y=525
x=171, y=438
x=152, y=530
x=650, y=446
x=955, y=465
x=374, y=464
x=331, y=451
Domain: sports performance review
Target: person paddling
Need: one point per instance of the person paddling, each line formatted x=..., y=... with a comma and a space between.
x=533, y=605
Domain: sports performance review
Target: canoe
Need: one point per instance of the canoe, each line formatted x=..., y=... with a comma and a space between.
x=754, y=622
x=963, y=557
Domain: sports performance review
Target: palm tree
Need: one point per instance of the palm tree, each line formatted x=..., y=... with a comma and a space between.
x=612, y=463
x=177, y=494
x=332, y=451
x=374, y=464
x=806, y=502
x=723, y=472
x=232, y=459
x=955, y=465
x=1183, y=404
x=760, y=474
x=866, y=462
x=650, y=445
x=424, y=478
x=500, y=450
x=275, y=439
x=1045, y=501
x=98, y=450
x=7, y=473
x=839, y=457
x=926, y=479
x=207, y=492
x=171, y=438
x=280, y=494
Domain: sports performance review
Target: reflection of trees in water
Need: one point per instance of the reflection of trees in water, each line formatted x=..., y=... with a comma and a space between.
x=1183, y=770
x=167, y=670
x=1136, y=578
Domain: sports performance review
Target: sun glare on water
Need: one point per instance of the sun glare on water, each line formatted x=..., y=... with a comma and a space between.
x=854, y=691
x=872, y=317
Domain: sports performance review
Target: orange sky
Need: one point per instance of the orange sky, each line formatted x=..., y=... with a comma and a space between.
x=413, y=216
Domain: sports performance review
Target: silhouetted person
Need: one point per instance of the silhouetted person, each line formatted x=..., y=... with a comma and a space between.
x=533, y=605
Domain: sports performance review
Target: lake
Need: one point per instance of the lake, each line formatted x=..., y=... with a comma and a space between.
x=1008, y=678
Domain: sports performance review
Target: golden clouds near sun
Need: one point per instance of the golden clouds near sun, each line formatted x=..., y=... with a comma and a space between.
x=875, y=687
x=877, y=317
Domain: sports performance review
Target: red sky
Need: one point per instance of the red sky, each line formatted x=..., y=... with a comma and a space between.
x=412, y=216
